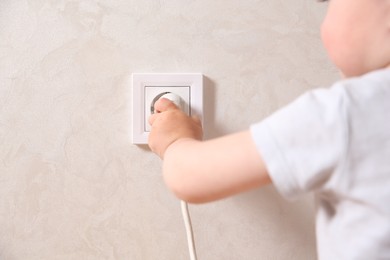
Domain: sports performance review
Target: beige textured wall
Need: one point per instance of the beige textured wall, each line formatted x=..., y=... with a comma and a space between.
x=71, y=184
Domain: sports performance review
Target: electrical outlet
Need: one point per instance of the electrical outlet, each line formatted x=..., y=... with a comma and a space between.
x=148, y=87
x=153, y=92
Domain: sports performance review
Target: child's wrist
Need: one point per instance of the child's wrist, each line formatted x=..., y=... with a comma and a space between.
x=178, y=143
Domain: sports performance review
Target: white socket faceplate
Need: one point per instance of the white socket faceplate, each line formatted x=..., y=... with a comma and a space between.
x=146, y=86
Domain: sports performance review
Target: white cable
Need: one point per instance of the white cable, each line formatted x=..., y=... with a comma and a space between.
x=184, y=206
x=190, y=234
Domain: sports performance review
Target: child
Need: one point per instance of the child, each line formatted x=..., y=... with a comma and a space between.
x=333, y=142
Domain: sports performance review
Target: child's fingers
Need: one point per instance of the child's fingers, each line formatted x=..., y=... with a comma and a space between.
x=164, y=104
x=152, y=118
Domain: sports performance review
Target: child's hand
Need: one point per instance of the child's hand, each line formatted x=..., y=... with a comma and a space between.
x=169, y=125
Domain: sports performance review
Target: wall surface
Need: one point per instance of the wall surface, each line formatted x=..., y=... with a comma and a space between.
x=72, y=186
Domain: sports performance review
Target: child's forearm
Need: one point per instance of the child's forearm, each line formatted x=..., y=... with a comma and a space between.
x=199, y=171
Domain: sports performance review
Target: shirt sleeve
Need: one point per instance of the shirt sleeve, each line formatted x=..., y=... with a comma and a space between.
x=304, y=143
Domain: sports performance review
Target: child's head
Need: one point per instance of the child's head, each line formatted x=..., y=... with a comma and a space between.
x=356, y=34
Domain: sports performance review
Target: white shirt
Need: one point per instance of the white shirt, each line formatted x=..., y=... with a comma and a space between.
x=336, y=143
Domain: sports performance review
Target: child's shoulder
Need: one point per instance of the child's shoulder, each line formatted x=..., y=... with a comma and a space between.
x=373, y=86
x=374, y=78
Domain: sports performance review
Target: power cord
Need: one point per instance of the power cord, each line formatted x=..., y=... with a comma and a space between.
x=184, y=206
x=188, y=226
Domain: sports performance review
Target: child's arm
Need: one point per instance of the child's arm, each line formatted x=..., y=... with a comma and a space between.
x=199, y=171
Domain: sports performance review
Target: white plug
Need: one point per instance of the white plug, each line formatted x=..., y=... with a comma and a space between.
x=176, y=99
